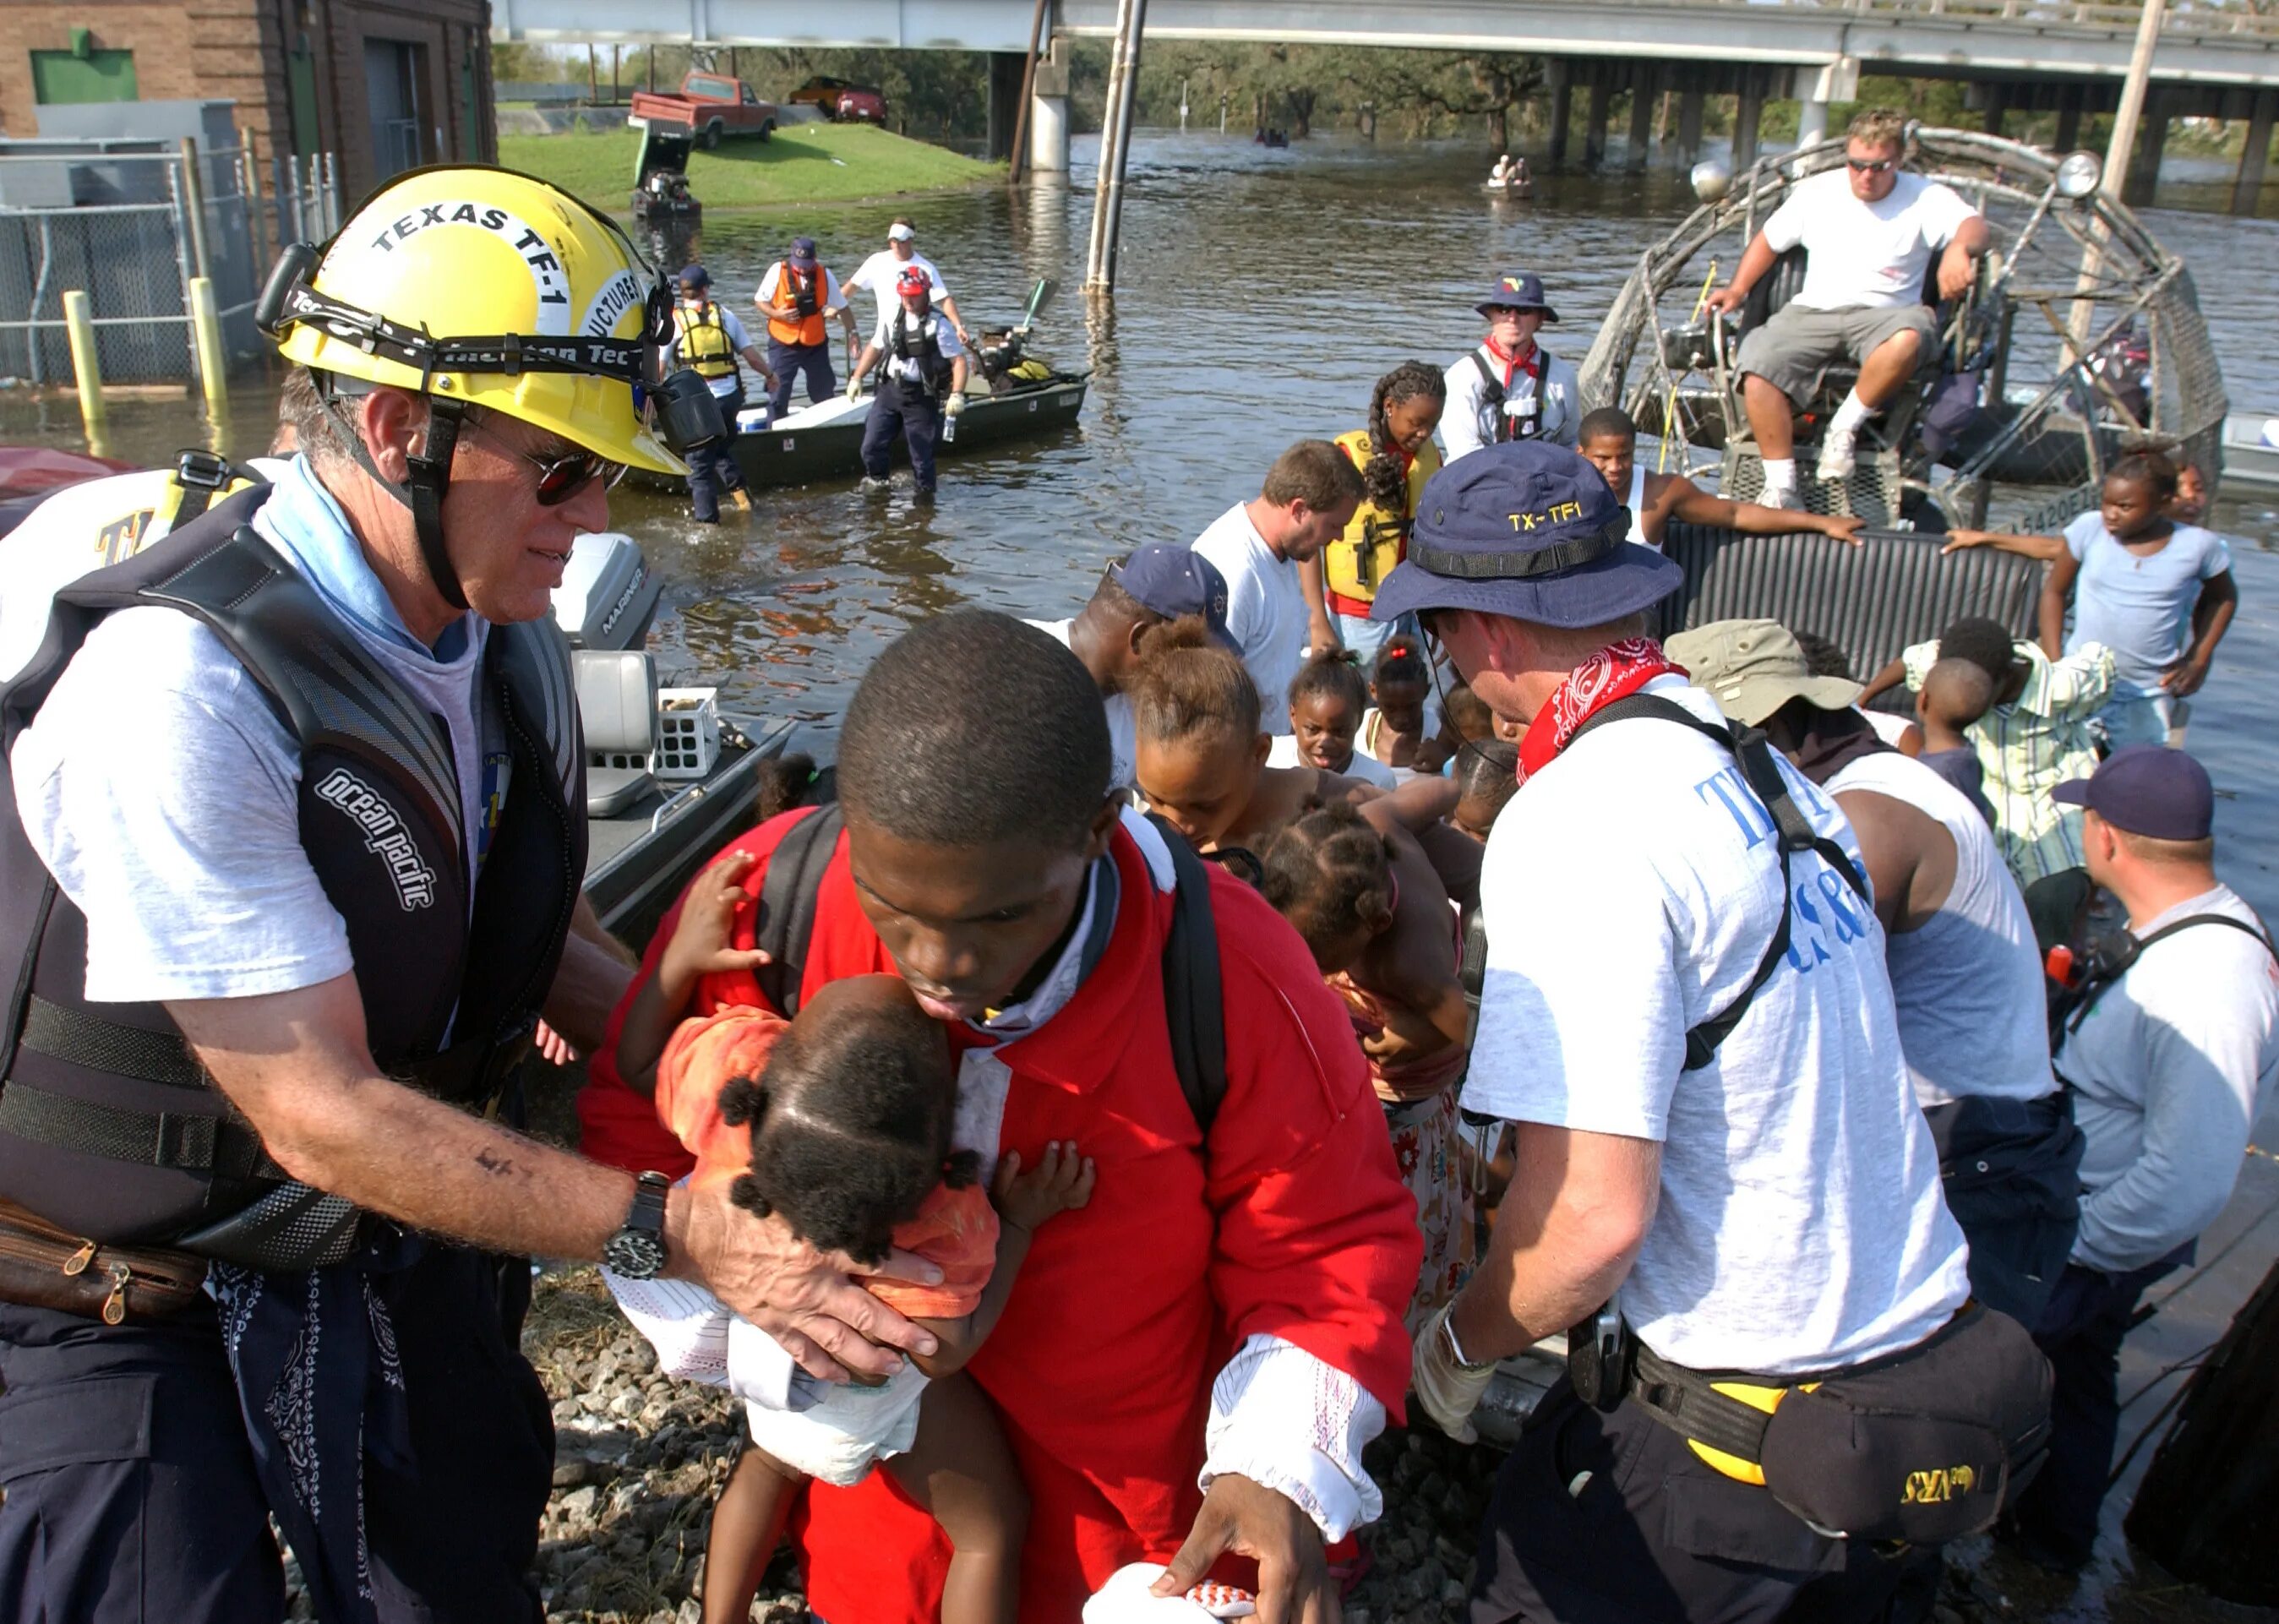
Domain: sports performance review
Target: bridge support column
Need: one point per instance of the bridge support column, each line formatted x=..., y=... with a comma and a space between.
x=1748, y=110
x=1998, y=104
x=1594, y=126
x=1645, y=89
x=1006, y=70
x=2253, y=157
x=1048, y=113
x=1562, y=110
x=2069, y=135
x=1689, y=127
x=2152, y=142
x=1815, y=88
x=1811, y=122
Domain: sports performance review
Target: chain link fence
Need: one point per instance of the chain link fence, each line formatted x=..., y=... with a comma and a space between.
x=131, y=222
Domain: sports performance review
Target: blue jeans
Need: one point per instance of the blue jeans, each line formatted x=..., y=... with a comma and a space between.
x=2135, y=719
x=1363, y=638
x=788, y=361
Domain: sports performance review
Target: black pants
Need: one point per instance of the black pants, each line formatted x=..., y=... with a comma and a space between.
x=712, y=469
x=131, y=1495
x=788, y=363
x=919, y=423
x=1612, y=1519
x=2011, y=1169
x=2081, y=1333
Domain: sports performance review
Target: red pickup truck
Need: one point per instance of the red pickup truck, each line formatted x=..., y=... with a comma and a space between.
x=708, y=108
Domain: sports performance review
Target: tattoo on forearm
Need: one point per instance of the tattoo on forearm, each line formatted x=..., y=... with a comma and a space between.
x=489, y=1163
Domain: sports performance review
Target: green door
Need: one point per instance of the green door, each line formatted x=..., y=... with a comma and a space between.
x=59, y=76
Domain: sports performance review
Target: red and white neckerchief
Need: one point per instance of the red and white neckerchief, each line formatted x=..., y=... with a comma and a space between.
x=1532, y=362
x=1615, y=671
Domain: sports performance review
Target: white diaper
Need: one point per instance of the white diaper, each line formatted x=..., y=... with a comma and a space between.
x=845, y=1430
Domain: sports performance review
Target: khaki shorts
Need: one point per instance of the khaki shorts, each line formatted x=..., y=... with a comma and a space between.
x=1795, y=346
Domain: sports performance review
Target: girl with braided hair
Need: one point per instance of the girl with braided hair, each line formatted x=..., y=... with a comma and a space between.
x=839, y=1121
x=1396, y=456
x=1373, y=913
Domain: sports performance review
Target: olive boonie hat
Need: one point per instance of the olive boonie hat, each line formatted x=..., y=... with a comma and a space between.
x=1752, y=668
x=1529, y=530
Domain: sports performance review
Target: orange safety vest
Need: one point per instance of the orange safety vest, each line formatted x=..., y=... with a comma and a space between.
x=785, y=325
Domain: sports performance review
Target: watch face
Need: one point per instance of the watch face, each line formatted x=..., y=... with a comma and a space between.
x=637, y=1255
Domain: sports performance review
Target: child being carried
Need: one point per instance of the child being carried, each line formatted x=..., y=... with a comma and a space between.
x=838, y=1122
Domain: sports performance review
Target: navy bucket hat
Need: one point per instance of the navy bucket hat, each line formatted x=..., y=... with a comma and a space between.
x=1528, y=530
x=1516, y=290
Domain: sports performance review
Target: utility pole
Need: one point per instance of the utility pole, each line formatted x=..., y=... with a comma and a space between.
x=1115, y=146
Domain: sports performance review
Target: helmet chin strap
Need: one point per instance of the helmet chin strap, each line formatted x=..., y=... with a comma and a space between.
x=430, y=479
x=422, y=490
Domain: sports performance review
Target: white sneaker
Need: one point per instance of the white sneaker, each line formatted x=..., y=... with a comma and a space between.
x=1836, y=458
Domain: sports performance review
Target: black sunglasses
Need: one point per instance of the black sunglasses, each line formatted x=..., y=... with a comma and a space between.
x=562, y=477
x=1868, y=166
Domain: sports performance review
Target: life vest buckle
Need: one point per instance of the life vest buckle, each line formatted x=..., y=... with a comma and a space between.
x=199, y=469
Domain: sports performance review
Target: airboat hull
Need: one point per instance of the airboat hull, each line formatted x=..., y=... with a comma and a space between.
x=2250, y=451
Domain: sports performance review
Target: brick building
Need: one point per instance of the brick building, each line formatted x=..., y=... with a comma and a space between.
x=385, y=85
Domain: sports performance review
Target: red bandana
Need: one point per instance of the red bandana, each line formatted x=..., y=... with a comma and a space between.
x=1615, y=673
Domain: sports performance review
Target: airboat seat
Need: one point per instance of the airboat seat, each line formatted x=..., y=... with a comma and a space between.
x=1871, y=601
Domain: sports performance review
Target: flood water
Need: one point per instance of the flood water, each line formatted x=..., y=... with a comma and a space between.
x=1259, y=295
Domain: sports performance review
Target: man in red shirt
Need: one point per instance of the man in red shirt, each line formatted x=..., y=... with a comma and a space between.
x=1226, y=1313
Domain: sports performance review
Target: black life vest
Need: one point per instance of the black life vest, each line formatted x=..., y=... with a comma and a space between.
x=934, y=368
x=1493, y=394
x=108, y=1126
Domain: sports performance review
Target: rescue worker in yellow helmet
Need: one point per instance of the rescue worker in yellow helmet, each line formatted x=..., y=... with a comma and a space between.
x=709, y=337
x=291, y=860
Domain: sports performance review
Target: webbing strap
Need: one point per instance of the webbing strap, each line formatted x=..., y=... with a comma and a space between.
x=1794, y=833
x=787, y=903
x=1195, y=1003
x=196, y=1143
x=2134, y=950
x=79, y=1039
x=1689, y=1405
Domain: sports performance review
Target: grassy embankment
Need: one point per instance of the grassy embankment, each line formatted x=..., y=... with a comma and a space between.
x=804, y=163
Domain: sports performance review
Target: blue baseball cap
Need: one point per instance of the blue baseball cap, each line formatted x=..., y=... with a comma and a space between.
x=1516, y=290
x=802, y=250
x=1173, y=581
x=696, y=276
x=2147, y=789
x=1529, y=530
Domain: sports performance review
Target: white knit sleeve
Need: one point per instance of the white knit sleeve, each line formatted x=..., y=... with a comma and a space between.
x=1283, y=1418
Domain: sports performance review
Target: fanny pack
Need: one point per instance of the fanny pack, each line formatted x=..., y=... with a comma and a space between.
x=1924, y=1445
x=43, y=1267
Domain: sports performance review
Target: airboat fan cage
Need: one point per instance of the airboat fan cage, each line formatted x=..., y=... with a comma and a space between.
x=2082, y=337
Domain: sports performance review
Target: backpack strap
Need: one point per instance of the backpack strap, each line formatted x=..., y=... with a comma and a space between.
x=788, y=901
x=1492, y=384
x=1793, y=834
x=2135, y=948
x=1194, y=1002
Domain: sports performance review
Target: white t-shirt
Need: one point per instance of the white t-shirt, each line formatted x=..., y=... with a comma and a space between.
x=834, y=296
x=1265, y=609
x=1368, y=769
x=161, y=789
x=1800, y=1225
x=1123, y=732
x=1870, y=254
x=738, y=341
x=2170, y=1069
x=879, y=272
x=883, y=336
x=74, y=532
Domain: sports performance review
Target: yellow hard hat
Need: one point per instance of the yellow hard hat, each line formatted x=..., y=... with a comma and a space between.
x=496, y=289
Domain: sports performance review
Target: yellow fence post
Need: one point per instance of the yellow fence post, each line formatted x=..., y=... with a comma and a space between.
x=78, y=316
x=213, y=366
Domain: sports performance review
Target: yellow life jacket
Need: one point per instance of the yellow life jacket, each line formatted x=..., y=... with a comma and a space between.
x=1376, y=539
x=704, y=343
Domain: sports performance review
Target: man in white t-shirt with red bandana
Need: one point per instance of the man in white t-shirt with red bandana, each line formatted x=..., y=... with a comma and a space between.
x=1686, y=1017
x=1870, y=230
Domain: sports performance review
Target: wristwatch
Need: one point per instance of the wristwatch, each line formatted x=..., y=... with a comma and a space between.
x=637, y=1251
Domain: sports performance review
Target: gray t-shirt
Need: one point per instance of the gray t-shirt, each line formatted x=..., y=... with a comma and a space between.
x=160, y=788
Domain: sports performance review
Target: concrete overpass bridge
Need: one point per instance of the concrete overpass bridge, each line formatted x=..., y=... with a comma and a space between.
x=2216, y=58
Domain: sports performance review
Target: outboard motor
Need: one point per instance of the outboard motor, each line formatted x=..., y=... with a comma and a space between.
x=608, y=596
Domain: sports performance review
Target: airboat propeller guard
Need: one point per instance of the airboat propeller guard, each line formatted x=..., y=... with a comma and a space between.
x=2083, y=333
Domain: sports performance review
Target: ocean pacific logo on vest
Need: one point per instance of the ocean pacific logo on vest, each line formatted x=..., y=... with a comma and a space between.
x=384, y=836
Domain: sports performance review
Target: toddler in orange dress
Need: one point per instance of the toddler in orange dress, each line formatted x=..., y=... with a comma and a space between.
x=838, y=1121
